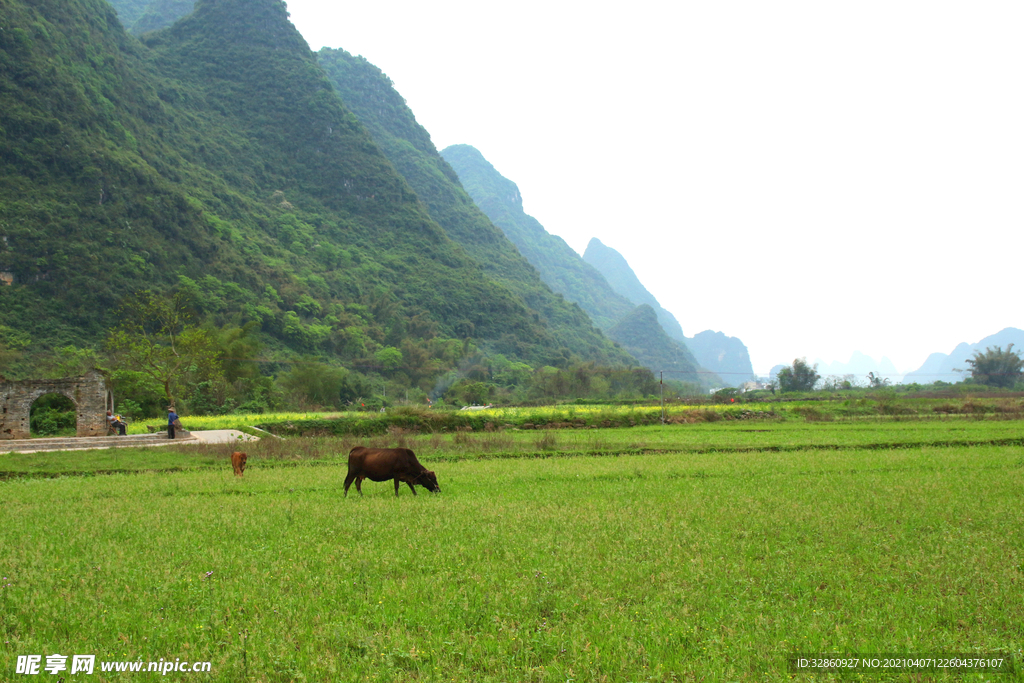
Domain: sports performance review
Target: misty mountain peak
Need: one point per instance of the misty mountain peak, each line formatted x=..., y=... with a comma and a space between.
x=623, y=280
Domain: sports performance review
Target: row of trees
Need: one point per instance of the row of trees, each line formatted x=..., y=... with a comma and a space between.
x=993, y=367
x=164, y=352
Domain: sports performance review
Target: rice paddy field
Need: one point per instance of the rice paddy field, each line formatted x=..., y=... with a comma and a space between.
x=685, y=552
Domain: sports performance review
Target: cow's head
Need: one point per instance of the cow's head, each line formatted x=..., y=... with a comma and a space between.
x=428, y=480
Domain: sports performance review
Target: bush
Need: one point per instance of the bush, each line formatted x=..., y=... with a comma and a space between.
x=53, y=415
x=49, y=422
x=813, y=414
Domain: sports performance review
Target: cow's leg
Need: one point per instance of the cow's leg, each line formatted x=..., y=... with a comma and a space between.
x=348, y=482
x=411, y=487
x=398, y=482
x=359, y=484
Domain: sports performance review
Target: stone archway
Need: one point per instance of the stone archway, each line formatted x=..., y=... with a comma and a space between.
x=88, y=393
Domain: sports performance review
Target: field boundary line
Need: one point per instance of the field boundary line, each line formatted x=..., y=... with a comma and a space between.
x=535, y=455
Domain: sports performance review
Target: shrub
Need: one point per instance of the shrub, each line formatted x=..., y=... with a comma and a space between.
x=50, y=422
x=813, y=414
x=548, y=442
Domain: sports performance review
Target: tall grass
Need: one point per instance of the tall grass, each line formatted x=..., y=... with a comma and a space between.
x=883, y=407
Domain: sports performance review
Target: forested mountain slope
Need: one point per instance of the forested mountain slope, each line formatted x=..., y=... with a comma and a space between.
x=216, y=156
x=141, y=16
x=559, y=266
x=641, y=334
x=371, y=96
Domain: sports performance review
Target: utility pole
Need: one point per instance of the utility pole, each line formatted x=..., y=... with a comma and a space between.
x=661, y=381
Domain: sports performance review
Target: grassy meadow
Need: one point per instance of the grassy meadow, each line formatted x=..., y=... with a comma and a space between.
x=685, y=552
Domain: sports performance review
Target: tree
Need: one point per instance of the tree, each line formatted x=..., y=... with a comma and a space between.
x=389, y=358
x=158, y=339
x=798, y=377
x=877, y=381
x=996, y=367
x=315, y=384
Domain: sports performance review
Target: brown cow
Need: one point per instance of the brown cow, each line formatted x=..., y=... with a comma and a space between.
x=381, y=464
x=238, y=462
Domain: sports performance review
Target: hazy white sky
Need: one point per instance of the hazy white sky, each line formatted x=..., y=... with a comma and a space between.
x=814, y=178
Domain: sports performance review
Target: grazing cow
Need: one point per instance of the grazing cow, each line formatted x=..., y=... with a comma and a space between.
x=238, y=462
x=381, y=464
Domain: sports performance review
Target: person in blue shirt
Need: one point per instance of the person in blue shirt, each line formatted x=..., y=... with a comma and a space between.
x=172, y=420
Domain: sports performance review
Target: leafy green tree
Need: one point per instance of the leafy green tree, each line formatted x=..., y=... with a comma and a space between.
x=798, y=377
x=241, y=348
x=508, y=373
x=389, y=358
x=158, y=339
x=315, y=385
x=468, y=392
x=996, y=367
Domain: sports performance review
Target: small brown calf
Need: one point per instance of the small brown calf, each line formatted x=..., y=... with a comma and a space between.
x=238, y=462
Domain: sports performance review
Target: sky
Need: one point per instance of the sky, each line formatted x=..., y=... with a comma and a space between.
x=814, y=178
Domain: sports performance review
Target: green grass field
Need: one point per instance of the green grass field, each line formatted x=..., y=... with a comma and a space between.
x=654, y=553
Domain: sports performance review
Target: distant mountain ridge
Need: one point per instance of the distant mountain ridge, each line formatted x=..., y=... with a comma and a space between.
x=723, y=355
x=952, y=367
x=860, y=365
x=726, y=357
x=623, y=280
x=638, y=331
x=558, y=264
x=381, y=109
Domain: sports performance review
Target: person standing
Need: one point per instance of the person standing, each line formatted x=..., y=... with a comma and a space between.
x=172, y=419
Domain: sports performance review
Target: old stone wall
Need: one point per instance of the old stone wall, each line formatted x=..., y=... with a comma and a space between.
x=88, y=393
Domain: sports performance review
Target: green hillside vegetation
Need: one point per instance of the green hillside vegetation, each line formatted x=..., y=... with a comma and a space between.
x=162, y=13
x=372, y=98
x=129, y=11
x=642, y=335
x=558, y=264
x=141, y=16
x=215, y=159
